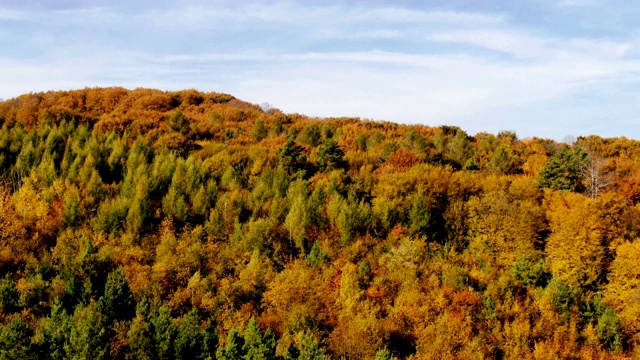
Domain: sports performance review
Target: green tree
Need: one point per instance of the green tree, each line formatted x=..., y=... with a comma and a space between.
x=384, y=354
x=296, y=222
x=310, y=135
x=420, y=221
x=501, y=160
x=256, y=346
x=117, y=303
x=53, y=333
x=111, y=215
x=330, y=156
x=140, y=335
x=361, y=142
x=309, y=348
x=317, y=256
x=291, y=156
x=15, y=341
x=259, y=131
x=8, y=295
x=189, y=340
x=209, y=341
x=88, y=338
x=71, y=205
x=459, y=148
x=563, y=171
x=164, y=334
x=233, y=349
x=608, y=330
x=174, y=204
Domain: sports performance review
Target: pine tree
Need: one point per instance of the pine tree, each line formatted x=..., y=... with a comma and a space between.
x=309, y=348
x=164, y=334
x=15, y=341
x=117, y=303
x=209, y=341
x=563, y=171
x=8, y=295
x=291, y=156
x=189, y=339
x=233, y=349
x=256, y=346
x=53, y=333
x=88, y=338
x=330, y=156
x=259, y=131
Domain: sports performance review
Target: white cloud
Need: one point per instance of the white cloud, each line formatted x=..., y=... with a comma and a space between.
x=199, y=17
x=8, y=14
x=578, y=3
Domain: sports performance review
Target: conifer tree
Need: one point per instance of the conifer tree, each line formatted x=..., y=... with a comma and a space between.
x=233, y=349
x=189, y=340
x=291, y=156
x=164, y=334
x=117, y=303
x=256, y=346
x=330, y=156
x=15, y=340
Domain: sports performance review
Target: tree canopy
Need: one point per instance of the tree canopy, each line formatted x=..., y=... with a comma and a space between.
x=187, y=225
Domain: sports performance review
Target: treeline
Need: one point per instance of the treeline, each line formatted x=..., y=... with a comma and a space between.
x=147, y=224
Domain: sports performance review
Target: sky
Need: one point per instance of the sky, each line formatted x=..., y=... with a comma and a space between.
x=540, y=68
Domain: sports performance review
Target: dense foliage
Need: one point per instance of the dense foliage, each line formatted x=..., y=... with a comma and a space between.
x=146, y=224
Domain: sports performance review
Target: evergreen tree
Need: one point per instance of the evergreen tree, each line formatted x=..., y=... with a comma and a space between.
x=384, y=354
x=140, y=336
x=189, y=340
x=256, y=346
x=209, y=341
x=53, y=334
x=330, y=156
x=291, y=156
x=233, y=349
x=15, y=341
x=317, y=256
x=420, y=216
x=88, y=337
x=8, y=295
x=259, y=131
x=563, y=171
x=164, y=334
x=178, y=122
x=117, y=303
x=140, y=339
x=309, y=348
x=310, y=135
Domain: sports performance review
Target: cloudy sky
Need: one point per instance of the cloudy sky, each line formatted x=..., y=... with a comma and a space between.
x=538, y=67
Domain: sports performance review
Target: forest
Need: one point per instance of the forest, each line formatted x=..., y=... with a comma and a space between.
x=148, y=224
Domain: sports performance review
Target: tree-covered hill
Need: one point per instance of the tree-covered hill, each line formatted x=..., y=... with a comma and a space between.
x=143, y=224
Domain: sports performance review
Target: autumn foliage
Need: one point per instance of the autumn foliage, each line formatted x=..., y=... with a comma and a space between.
x=152, y=224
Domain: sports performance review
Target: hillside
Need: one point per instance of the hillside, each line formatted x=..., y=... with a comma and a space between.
x=151, y=224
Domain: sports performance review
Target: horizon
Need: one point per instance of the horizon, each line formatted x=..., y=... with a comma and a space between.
x=538, y=68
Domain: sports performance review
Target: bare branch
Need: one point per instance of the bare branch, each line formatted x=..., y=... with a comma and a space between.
x=596, y=178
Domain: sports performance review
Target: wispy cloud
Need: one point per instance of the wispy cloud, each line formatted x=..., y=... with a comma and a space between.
x=8, y=14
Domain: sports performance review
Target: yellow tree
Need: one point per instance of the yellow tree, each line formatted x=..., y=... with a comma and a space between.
x=623, y=290
x=575, y=250
x=506, y=221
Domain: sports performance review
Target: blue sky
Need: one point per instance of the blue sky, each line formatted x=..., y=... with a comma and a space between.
x=540, y=68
